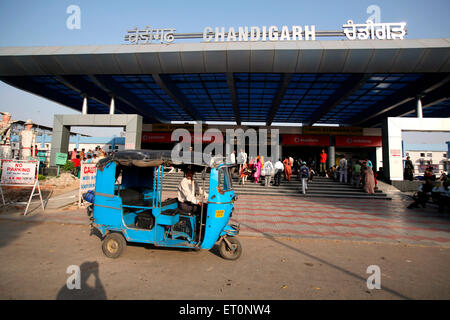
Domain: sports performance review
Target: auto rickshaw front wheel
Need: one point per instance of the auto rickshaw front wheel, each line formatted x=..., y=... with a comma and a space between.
x=230, y=248
x=113, y=245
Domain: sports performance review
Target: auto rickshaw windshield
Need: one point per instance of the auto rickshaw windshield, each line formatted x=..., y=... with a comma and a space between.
x=225, y=179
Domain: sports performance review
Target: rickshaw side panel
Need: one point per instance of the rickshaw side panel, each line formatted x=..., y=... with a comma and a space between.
x=219, y=211
x=107, y=207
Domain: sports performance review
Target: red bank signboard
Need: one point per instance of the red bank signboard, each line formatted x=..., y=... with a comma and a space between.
x=161, y=137
x=305, y=140
x=358, y=141
x=166, y=137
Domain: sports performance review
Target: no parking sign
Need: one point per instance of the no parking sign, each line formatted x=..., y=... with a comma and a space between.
x=19, y=172
x=22, y=173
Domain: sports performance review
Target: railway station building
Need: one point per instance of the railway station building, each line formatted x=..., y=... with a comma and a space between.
x=353, y=96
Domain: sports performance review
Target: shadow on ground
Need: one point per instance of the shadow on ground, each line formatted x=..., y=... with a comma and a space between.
x=77, y=287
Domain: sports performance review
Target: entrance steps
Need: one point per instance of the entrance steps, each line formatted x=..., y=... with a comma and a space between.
x=319, y=187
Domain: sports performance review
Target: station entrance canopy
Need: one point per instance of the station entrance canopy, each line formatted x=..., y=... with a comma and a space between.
x=346, y=82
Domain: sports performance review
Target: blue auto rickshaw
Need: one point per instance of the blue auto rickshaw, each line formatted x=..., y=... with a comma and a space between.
x=128, y=206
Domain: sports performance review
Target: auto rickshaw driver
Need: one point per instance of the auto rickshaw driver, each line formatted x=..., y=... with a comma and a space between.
x=190, y=195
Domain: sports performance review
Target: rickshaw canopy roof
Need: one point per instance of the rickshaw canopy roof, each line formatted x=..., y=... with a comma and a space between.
x=154, y=158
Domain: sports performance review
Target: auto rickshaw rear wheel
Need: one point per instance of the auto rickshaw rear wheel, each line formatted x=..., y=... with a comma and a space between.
x=113, y=245
x=232, y=251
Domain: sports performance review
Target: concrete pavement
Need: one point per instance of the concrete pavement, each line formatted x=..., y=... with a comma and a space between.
x=321, y=218
x=35, y=257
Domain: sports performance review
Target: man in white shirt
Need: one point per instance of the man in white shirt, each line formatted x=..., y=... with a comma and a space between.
x=242, y=157
x=279, y=168
x=233, y=161
x=190, y=194
x=268, y=171
x=233, y=157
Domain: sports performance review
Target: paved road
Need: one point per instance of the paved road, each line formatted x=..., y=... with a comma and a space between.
x=294, y=248
x=321, y=218
x=34, y=257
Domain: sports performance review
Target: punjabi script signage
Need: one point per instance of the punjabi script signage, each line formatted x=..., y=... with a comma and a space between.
x=371, y=30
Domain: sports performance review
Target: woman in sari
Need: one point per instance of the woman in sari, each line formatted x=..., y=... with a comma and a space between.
x=258, y=169
x=287, y=169
x=243, y=173
x=369, y=183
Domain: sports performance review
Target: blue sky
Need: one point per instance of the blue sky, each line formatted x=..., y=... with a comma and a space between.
x=40, y=23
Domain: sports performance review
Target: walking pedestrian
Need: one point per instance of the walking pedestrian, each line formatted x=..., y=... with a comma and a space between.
x=257, y=173
x=323, y=163
x=311, y=174
x=279, y=168
x=244, y=172
x=356, y=174
x=343, y=169
x=304, y=172
x=74, y=153
x=369, y=184
x=409, y=169
x=287, y=169
x=233, y=162
x=268, y=172
x=77, y=166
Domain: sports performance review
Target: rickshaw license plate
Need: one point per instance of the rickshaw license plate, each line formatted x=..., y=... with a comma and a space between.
x=220, y=213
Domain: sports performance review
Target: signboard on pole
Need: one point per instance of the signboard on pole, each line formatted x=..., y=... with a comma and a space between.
x=61, y=159
x=88, y=175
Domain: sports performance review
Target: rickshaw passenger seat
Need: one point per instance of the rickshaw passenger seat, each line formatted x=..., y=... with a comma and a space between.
x=169, y=202
x=169, y=217
x=171, y=212
x=129, y=195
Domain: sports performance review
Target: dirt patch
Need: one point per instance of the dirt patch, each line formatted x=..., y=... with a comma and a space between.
x=62, y=184
x=50, y=187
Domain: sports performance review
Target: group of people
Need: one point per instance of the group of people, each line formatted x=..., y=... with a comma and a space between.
x=408, y=172
x=432, y=188
x=360, y=174
x=258, y=167
x=79, y=157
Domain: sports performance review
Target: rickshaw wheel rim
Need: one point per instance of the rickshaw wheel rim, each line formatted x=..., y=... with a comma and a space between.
x=112, y=246
x=230, y=252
